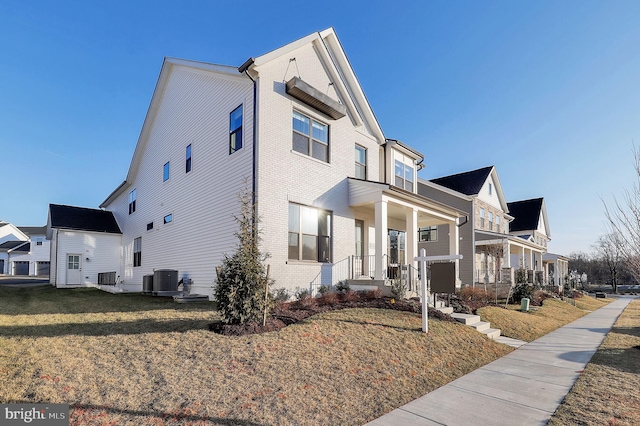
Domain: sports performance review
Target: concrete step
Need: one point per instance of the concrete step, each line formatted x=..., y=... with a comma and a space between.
x=447, y=310
x=466, y=319
x=480, y=326
x=491, y=333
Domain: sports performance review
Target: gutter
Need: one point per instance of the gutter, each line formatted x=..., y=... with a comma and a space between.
x=244, y=68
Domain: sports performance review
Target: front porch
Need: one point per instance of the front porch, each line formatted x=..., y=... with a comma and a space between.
x=387, y=228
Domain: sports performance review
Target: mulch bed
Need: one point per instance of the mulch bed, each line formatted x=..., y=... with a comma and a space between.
x=285, y=314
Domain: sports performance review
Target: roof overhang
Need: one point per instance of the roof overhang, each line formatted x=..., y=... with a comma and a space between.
x=363, y=193
x=311, y=96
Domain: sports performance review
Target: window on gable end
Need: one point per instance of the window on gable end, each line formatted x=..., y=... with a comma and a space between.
x=137, y=252
x=404, y=176
x=165, y=172
x=361, y=162
x=188, y=159
x=235, y=130
x=310, y=137
x=132, y=201
x=490, y=189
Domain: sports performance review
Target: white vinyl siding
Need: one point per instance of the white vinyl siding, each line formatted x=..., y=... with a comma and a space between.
x=102, y=251
x=195, y=107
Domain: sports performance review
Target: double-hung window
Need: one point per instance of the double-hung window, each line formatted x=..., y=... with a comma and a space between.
x=132, y=201
x=235, y=130
x=498, y=224
x=429, y=233
x=481, y=218
x=309, y=234
x=137, y=252
x=490, y=221
x=404, y=176
x=187, y=166
x=310, y=137
x=361, y=162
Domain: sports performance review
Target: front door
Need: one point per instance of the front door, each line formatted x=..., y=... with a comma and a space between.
x=396, y=250
x=358, y=264
x=74, y=269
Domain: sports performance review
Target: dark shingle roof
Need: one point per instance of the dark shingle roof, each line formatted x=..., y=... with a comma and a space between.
x=8, y=245
x=83, y=219
x=468, y=183
x=33, y=230
x=25, y=248
x=526, y=214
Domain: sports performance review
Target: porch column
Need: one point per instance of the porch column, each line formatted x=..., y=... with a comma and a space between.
x=381, y=239
x=546, y=273
x=506, y=252
x=454, y=247
x=411, y=219
x=524, y=259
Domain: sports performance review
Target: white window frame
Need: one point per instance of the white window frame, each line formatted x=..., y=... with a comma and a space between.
x=481, y=218
x=132, y=200
x=361, y=166
x=431, y=231
x=310, y=138
x=401, y=180
x=299, y=231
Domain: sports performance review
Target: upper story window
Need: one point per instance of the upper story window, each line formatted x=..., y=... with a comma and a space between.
x=39, y=241
x=149, y=226
x=404, y=176
x=481, y=217
x=137, y=252
x=310, y=137
x=498, y=224
x=187, y=164
x=168, y=218
x=132, y=201
x=361, y=162
x=429, y=233
x=165, y=172
x=490, y=221
x=235, y=130
x=490, y=189
x=309, y=234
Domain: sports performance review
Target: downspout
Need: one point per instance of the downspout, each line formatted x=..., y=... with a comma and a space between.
x=244, y=69
x=57, y=260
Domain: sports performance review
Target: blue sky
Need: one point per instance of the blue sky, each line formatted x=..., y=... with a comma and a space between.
x=546, y=91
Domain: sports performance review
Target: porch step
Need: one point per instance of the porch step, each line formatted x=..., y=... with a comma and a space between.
x=466, y=319
x=481, y=326
x=445, y=310
x=491, y=333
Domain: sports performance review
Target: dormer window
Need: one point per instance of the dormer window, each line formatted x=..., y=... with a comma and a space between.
x=404, y=176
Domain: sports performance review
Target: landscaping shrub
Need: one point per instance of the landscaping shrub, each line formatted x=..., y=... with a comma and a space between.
x=343, y=286
x=302, y=294
x=242, y=277
x=324, y=289
x=398, y=288
x=476, y=294
x=521, y=291
x=349, y=296
x=280, y=295
x=328, y=299
x=371, y=294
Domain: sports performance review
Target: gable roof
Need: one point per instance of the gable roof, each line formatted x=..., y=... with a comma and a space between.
x=526, y=215
x=337, y=64
x=468, y=183
x=33, y=230
x=82, y=219
x=10, y=245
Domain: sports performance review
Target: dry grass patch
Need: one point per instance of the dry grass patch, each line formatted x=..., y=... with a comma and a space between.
x=529, y=326
x=608, y=392
x=589, y=303
x=155, y=362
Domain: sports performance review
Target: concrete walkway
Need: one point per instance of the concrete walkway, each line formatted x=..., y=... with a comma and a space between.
x=522, y=388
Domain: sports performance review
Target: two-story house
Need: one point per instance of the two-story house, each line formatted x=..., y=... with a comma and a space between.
x=335, y=198
x=24, y=250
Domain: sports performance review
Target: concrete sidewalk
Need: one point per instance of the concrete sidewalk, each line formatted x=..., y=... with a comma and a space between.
x=522, y=388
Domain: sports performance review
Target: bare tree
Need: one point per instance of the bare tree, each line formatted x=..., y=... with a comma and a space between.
x=609, y=248
x=624, y=219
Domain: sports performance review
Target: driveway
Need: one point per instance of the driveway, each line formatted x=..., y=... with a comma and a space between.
x=10, y=281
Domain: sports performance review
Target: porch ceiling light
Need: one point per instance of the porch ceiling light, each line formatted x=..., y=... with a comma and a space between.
x=315, y=98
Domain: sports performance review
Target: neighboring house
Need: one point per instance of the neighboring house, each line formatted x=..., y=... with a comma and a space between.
x=484, y=237
x=35, y=256
x=335, y=198
x=556, y=269
x=13, y=242
x=530, y=225
x=84, y=243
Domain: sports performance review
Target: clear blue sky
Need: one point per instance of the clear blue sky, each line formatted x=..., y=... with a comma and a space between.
x=547, y=91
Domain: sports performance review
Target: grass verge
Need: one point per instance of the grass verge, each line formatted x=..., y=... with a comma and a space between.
x=131, y=359
x=529, y=326
x=607, y=392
